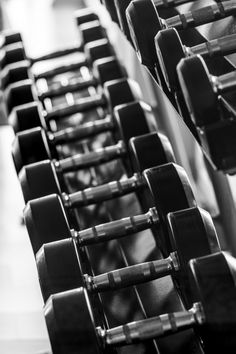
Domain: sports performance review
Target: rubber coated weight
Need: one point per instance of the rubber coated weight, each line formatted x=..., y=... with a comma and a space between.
x=218, y=141
x=43, y=233
x=124, y=118
x=198, y=91
x=27, y=116
x=64, y=326
x=168, y=41
x=41, y=222
x=66, y=275
x=9, y=37
x=20, y=93
x=213, y=281
x=192, y=235
x=213, y=315
x=115, y=92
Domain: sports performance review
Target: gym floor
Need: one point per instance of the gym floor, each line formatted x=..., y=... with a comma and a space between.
x=45, y=25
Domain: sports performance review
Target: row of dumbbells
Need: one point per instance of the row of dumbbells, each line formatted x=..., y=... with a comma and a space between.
x=203, y=275
x=187, y=75
x=200, y=108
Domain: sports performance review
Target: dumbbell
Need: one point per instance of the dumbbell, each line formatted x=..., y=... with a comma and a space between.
x=86, y=20
x=144, y=23
x=197, y=83
x=94, y=50
x=192, y=235
x=36, y=144
x=123, y=127
x=46, y=220
x=201, y=92
x=121, y=6
x=104, y=70
x=71, y=326
x=169, y=40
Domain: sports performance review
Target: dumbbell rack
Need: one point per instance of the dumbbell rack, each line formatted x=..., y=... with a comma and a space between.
x=180, y=137
x=172, y=124
x=159, y=296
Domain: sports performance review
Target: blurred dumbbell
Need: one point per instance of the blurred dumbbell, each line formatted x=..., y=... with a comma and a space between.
x=201, y=92
x=104, y=70
x=22, y=71
x=25, y=91
x=145, y=22
x=70, y=321
x=88, y=24
x=192, y=234
x=169, y=40
x=123, y=128
x=36, y=144
x=8, y=37
x=111, y=8
x=46, y=220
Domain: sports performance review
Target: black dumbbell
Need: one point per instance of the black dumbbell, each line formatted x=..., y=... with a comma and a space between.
x=169, y=40
x=217, y=128
x=145, y=22
x=201, y=90
x=130, y=120
x=121, y=6
x=88, y=24
x=46, y=220
x=71, y=325
x=104, y=70
x=36, y=144
x=94, y=50
x=192, y=235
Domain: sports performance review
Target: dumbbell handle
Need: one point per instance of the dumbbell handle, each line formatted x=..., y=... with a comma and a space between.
x=91, y=159
x=201, y=16
x=83, y=131
x=62, y=69
x=57, y=54
x=81, y=105
x=116, y=229
x=132, y=275
x=224, y=83
x=221, y=46
x=103, y=192
x=151, y=328
x=75, y=85
x=169, y=3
